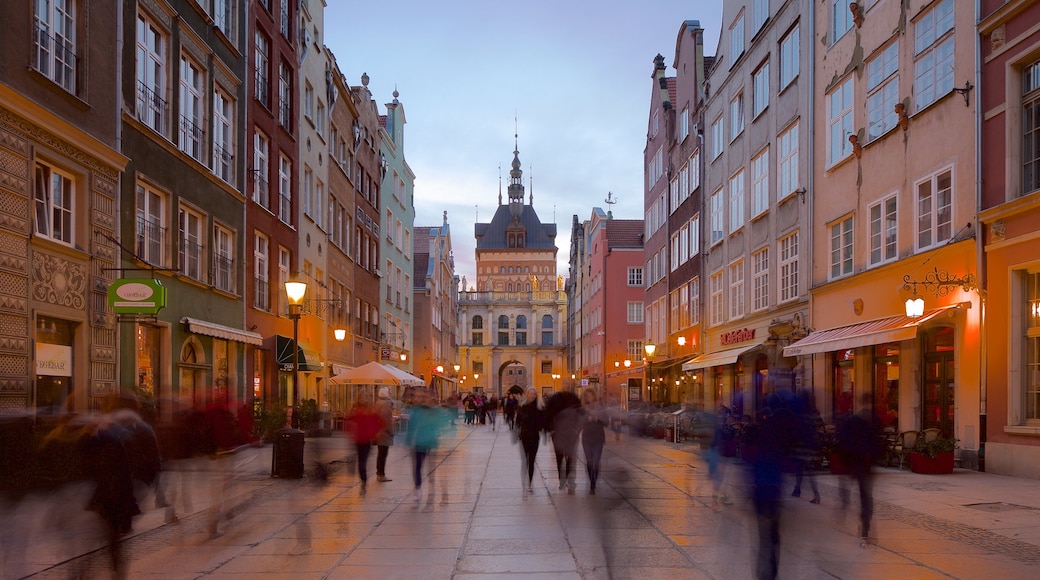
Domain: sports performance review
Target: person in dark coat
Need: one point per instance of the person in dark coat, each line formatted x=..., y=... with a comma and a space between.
x=808, y=444
x=530, y=422
x=859, y=442
x=564, y=425
x=510, y=409
x=594, y=418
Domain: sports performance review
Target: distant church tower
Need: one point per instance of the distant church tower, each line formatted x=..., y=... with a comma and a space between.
x=514, y=323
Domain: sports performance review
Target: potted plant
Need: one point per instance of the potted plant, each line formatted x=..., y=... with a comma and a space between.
x=933, y=457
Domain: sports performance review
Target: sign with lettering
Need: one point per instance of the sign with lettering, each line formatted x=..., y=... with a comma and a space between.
x=736, y=336
x=53, y=360
x=137, y=296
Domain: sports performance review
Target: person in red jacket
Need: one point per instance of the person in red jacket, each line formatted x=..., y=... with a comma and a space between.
x=364, y=424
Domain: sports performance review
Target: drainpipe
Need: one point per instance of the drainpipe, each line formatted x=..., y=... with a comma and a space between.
x=980, y=268
x=811, y=190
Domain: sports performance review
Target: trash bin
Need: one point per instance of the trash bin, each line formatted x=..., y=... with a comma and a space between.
x=287, y=455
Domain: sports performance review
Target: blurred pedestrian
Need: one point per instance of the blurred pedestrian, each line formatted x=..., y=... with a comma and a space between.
x=594, y=418
x=509, y=409
x=481, y=404
x=530, y=423
x=470, y=404
x=563, y=424
x=858, y=440
x=426, y=423
x=491, y=408
x=364, y=424
x=808, y=444
x=385, y=438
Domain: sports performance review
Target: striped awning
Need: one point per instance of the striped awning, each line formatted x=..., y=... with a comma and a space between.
x=880, y=331
x=220, y=331
x=714, y=359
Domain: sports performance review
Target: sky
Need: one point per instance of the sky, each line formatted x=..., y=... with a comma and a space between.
x=571, y=79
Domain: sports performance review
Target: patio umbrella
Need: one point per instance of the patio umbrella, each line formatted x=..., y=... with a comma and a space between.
x=375, y=373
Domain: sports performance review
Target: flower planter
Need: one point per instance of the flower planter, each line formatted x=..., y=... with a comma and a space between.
x=941, y=463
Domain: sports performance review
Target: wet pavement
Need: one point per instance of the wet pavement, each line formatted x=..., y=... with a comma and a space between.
x=652, y=517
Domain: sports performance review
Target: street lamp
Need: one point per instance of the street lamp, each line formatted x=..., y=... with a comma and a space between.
x=650, y=348
x=295, y=291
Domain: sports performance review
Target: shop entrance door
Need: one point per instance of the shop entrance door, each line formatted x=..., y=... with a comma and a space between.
x=938, y=390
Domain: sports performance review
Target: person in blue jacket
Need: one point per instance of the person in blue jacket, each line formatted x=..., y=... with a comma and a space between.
x=426, y=423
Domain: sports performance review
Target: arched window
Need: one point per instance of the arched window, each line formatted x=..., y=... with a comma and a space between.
x=528, y=287
x=521, y=322
x=547, y=330
x=478, y=322
x=547, y=321
x=502, y=270
x=527, y=269
x=521, y=330
x=503, y=321
x=509, y=287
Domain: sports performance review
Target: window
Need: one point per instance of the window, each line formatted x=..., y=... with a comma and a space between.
x=839, y=122
x=151, y=225
x=190, y=125
x=53, y=203
x=760, y=183
x=841, y=19
x=716, y=313
x=547, y=330
x=789, y=267
x=736, y=116
x=759, y=14
x=54, y=42
x=222, y=15
x=1031, y=376
x=841, y=248
x=223, y=259
x=319, y=197
x=760, y=279
x=935, y=209
x=319, y=117
x=151, y=75
x=1031, y=128
x=695, y=301
x=883, y=226
x=789, y=57
x=308, y=101
x=694, y=169
x=635, y=312
x=736, y=289
x=285, y=189
x=189, y=252
x=285, y=25
x=308, y=191
x=261, y=293
x=760, y=98
x=788, y=144
x=284, y=259
x=716, y=217
x=521, y=330
x=635, y=276
x=716, y=139
x=933, y=54
x=503, y=339
x=882, y=91
x=736, y=39
x=223, y=115
x=478, y=339
x=684, y=123
x=478, y=322
x=262, y=62
x=695, y=236
x=261, y=169
x=285, y=96
x=736, y=201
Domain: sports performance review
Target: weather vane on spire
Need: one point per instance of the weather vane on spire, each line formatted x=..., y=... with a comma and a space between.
x=610, y=201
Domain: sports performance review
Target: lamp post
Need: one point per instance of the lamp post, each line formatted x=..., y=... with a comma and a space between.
x=295, y=291
x=650, y=348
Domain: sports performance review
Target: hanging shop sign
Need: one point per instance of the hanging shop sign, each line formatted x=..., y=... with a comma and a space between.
x=137, y=296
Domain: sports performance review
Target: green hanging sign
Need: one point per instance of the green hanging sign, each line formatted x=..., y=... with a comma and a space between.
x=137, y=296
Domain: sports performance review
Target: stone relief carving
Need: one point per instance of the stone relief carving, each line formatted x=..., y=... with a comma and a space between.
x=58, y=281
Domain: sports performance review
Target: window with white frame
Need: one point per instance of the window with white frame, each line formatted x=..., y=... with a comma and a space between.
x=262, y=64
x=308, y=101
x=223, y=130
x=261, y=169
x=717, y=140
x=736, y=289
x=189, y=128
x=883, y=227
x=673, y=254
x=760, y=183
x=189, y=249
x=694, y=169
x=715, y=207
x=635, y=276
x=841, y=248
x=684, y=123
x=759, y=15
x=789, y=267
x=716, y=314
x=673, y=192
x=635, y=312
x=285, y=96
x=760, y=96
x=695, y=236
x=933, y=54
x=284, y=259
x=695, y=301
x=261, y=276
x=54, y=41
x=684, y=243
x=787, y=142
x=308, y=190
x=841, y=19
x=1031, y=128
x=882, y=90
x=1029, y=306
x=151, y=225
x=736, y=201
x=789, y=57
x=839, y=122
x=736, y=116
x=736, y=38
x=760, y=279
x=54, y=195
x=223, y=15
x=151, y=74
x=222, y=276
x=935, y=209
x=285, y=25
x=285, y=189
x=319, y=199
x=320, y=115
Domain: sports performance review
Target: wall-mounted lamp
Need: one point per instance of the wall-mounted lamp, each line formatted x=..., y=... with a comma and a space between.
x=801, y=194
x=964, y=92
x=681, y=340
x=939, y=282
x=404, y=357
x=340, y=333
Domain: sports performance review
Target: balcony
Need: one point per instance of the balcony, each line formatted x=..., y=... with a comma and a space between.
x=222, y=159
x=151, y=108
x=498, y=297
x=190, y=259
x=285, y=208
x=55, y=58
x=190, y=137
x=222, y=276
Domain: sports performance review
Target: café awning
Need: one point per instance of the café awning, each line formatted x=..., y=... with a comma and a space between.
x=220, y=331
x=880, y=331
x=714, y=359
x=309, y=361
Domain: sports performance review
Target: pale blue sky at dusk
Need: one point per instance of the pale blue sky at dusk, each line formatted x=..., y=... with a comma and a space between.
x=574, y=73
